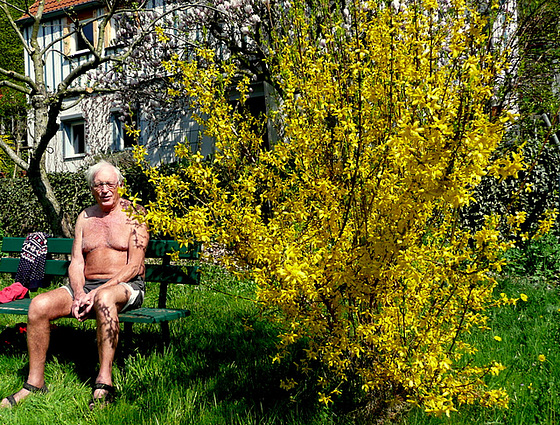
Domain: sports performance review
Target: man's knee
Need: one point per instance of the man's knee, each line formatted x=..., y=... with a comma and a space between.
x=107, y=297
x=38, y=308
x=49, y=306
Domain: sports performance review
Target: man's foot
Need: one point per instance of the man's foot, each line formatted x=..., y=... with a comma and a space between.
x=102, y=395
x=27, y=389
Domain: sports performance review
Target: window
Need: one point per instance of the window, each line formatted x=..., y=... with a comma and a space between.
x=81, y=43
x=75, y=138
x=123, y=139
x=81, y=29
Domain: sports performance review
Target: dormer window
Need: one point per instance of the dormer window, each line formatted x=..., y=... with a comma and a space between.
x=81, y=28
x=80, y=42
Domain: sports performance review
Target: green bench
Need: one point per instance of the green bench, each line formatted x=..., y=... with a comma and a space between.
x=159, y=270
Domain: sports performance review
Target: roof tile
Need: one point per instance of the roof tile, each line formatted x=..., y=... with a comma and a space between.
x=55, y=5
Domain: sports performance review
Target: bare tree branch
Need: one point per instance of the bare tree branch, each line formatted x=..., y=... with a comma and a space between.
x=18, y=77
x=13, y=86
x=13, y=156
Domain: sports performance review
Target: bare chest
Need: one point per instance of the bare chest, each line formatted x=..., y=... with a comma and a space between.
x=106, y=233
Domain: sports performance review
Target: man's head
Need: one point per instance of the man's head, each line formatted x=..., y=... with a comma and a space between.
x=94, y=169
x=104, y=179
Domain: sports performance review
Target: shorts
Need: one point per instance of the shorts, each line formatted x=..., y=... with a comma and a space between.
x=136, y=287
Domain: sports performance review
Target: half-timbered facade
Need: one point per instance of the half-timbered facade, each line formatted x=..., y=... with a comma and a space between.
x=93, y=125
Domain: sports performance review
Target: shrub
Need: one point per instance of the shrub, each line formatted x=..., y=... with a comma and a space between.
x=349, y=223
x=538, y=258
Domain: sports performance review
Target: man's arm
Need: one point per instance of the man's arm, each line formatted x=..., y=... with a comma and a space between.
x=77, y=266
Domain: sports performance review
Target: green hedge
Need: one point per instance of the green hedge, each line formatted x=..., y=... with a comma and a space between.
x=21, y=213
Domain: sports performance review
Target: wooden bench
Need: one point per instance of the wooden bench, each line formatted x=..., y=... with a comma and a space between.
x=163, y=274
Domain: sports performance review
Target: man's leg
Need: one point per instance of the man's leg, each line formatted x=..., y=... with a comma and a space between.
x=43, y=309
x=107, y=304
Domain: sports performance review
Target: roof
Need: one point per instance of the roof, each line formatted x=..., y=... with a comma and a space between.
x=53, y=6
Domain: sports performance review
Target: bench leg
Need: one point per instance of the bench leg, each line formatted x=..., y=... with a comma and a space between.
x=165, y=333
x=127, y=339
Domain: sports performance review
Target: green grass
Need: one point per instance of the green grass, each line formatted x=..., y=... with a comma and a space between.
x=218, y=368
x=528, y=330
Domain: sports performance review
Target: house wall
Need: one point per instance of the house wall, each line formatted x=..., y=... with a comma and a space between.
x=92, y=125
x=104, y=133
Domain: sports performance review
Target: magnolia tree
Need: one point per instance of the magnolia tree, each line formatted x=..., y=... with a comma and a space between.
x=236, y=29
x=348, y=223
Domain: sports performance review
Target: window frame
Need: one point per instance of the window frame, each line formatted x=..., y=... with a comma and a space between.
x=120, y=137
x=71, y=144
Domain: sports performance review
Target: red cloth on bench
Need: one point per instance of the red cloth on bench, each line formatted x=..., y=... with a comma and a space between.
x=16, y=291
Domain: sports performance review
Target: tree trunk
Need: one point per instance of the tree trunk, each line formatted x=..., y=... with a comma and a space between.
x=44, y=130
x=58, y=220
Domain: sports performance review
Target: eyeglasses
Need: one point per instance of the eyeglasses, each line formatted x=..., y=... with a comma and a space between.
x=99, y=185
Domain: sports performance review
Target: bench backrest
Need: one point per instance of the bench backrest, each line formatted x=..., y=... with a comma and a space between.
x=164, y=273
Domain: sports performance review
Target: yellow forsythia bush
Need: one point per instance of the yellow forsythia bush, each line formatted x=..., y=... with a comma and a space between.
x=347, y=222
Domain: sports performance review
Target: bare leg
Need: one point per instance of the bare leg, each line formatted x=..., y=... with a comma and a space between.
x=43, y=309
x=108, y=303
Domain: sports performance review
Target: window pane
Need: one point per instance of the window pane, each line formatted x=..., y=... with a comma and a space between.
x=88, y=33
x=78, y=138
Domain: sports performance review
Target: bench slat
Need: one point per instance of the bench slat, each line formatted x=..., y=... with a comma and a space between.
x=188, y=275
x=152, y=315
x=55, y=245
x=16, y=307
x=52, y=267
x=154, y=272
x=156, y=248
x=140, y=315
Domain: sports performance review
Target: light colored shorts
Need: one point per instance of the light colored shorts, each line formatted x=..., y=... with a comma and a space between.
x=136, y=286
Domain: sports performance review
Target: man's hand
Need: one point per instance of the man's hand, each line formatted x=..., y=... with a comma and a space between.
x=82, y=305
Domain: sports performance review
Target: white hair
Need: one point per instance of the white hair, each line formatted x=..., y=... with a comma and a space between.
x=94, y=169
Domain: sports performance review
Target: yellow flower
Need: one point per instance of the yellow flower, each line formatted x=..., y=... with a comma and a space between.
x=542, y=357
x=497, y=338
x=325, y=399
x=523, y=297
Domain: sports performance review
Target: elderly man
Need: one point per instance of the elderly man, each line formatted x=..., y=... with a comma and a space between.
x=105, y=277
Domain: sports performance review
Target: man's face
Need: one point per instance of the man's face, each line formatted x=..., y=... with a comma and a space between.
x=106, y=188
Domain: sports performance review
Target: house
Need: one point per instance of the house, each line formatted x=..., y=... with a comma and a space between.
x=97, y=124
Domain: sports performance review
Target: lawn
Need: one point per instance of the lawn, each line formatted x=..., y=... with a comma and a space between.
x=218, y=367
x=529, y=333
x=217, y=370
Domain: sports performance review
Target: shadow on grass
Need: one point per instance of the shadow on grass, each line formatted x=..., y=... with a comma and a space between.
x=71, y=346
x=218, y=368
x=225, y=361
x=229, y=365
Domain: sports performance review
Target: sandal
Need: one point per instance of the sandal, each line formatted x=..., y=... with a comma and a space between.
x=31, y=388
x=105, y=399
